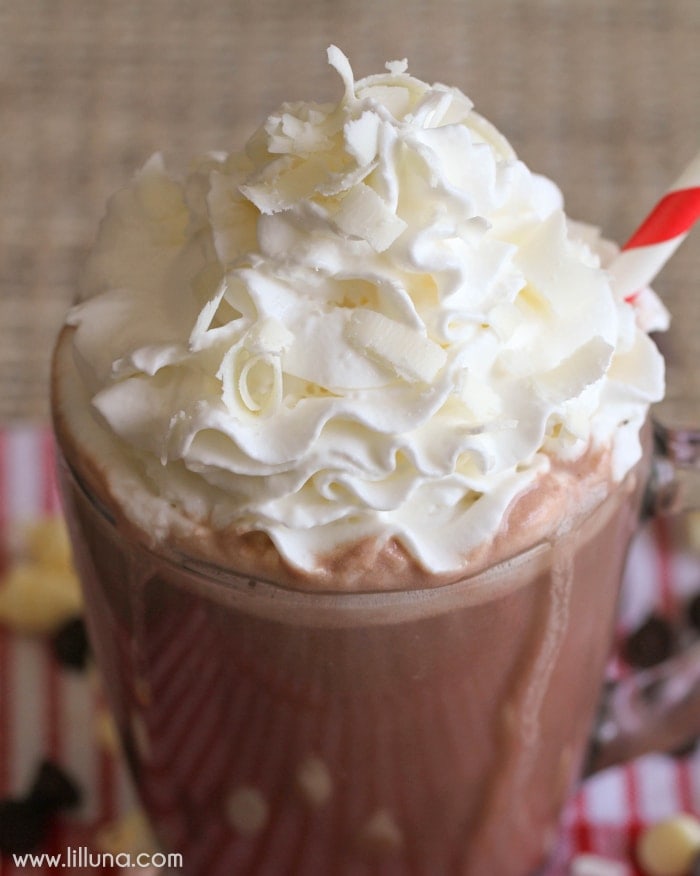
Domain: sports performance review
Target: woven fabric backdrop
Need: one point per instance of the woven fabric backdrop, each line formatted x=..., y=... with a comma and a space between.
x=602, y=95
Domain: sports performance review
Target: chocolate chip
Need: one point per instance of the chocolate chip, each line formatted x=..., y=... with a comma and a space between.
x=70, y=644
x=22, y=826
x=52, y=789
x=692, y=611
x=23, y=820
x=650, y=644
x=687, y=749
x=695, y=866
x=654, y=691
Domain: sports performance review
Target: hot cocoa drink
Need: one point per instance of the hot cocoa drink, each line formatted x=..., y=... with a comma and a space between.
x=352, y=437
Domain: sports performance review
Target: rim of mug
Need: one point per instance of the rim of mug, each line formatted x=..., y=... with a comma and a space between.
x=266, y=597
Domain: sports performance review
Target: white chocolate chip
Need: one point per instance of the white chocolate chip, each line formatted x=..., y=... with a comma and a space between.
x=106, y=731
x=692, y=523
x=595, y=865
x=247, y=810
x=47, y=543
x=669, y=847
x=40, y=591
x=129, y=834
x=38, y=599
x=314, y=781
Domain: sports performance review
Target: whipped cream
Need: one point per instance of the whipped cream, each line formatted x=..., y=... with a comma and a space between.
x=375, y=322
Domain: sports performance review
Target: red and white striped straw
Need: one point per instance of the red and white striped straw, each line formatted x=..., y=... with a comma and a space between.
x=658, y=237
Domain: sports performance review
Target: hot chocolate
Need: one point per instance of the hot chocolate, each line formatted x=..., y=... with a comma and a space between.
x=351, y=424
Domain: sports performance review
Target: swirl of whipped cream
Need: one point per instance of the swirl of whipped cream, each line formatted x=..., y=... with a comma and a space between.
x=376, y=322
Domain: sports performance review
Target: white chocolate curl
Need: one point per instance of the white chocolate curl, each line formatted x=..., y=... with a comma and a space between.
x=376, y=322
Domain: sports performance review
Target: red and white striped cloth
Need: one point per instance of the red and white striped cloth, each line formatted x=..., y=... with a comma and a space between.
x=46, y=711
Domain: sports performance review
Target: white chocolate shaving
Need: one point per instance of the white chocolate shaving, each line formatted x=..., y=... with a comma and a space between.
x=365, y=215
x=407, y=353
x=268, y=336
x=260, y=382
x=585, y=366
x=362, y=137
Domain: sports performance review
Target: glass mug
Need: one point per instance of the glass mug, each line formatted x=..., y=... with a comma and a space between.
x=420, y=733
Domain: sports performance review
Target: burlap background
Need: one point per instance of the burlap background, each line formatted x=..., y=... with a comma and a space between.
x=603, y=95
